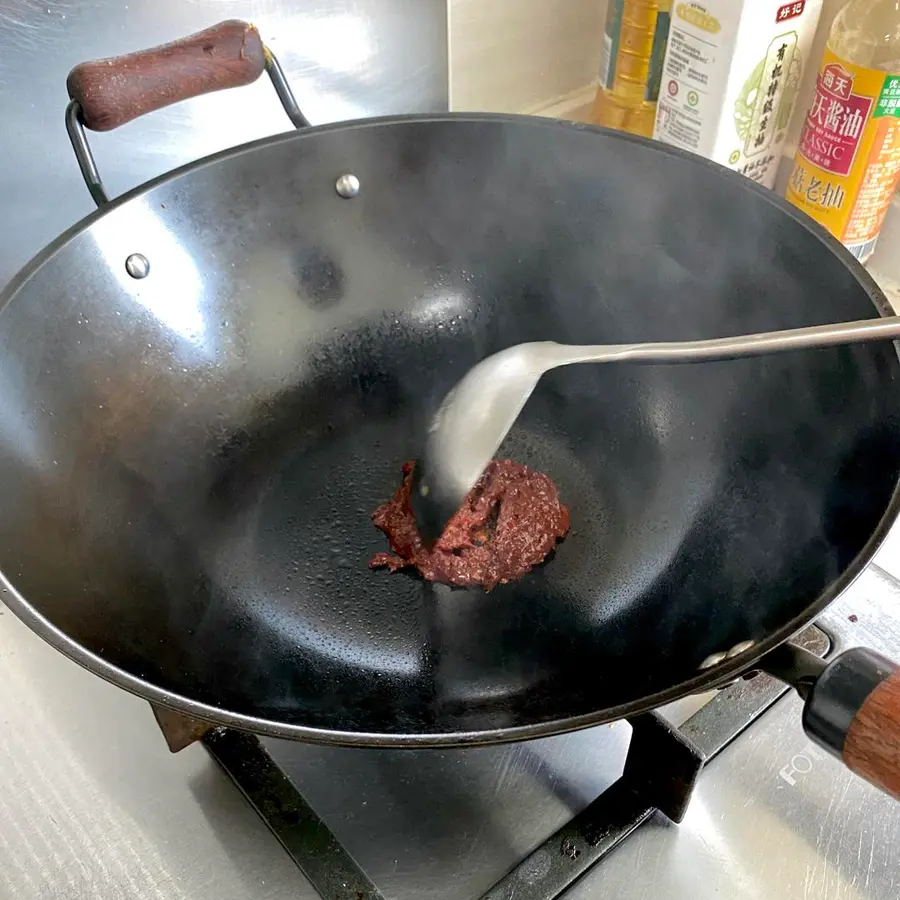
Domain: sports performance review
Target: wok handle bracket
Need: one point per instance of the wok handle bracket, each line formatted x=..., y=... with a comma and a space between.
x=179, y=730
x=162, y=67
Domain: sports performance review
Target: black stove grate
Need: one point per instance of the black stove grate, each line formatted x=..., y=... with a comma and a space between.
x=661, y=769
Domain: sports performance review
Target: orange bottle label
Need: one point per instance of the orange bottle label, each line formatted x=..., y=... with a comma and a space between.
x=848, y=161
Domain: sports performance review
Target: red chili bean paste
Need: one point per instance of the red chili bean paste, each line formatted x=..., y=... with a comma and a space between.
x=508, y=523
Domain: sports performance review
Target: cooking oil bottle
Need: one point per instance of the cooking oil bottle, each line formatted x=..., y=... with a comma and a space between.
x=631, y=67
x=847, y=165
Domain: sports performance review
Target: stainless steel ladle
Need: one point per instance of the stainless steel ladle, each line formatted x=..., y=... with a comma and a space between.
x=477, y=414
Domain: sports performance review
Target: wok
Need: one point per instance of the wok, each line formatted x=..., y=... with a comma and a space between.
x=208, y=385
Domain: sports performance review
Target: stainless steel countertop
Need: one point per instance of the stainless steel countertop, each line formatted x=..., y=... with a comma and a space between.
x=93, y=805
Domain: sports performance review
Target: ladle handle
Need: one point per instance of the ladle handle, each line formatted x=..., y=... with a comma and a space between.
x=810, y=338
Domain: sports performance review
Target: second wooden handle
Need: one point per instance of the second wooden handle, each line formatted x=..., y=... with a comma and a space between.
x=872, y=748
x=114, y=91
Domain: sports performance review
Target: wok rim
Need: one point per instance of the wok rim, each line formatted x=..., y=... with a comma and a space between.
x=706, y=680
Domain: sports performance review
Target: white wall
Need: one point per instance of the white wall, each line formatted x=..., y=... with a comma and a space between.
x=543, y=55
x=522, y=55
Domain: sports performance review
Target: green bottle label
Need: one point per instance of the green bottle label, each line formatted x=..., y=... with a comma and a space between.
x=611, y=43
x=657, y=55
x=889, y=101
x=612, y=39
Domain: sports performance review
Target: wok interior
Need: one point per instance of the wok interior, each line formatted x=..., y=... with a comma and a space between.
x=190, y=461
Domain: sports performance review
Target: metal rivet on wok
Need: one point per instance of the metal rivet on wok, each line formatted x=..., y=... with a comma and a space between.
x=740, y=648
x=137, y=265
x=347, y=186
x=713, y=660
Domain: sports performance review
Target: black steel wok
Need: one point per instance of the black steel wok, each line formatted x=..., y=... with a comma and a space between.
x=207, y=386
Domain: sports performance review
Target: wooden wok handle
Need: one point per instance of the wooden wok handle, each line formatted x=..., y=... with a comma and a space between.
x=114, y=91
x=853, y=711
x=872, y=747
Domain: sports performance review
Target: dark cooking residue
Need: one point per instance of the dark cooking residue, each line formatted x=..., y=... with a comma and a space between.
x=508, y=523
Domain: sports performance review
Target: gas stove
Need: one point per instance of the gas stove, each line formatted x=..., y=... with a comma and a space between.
x=459, y=807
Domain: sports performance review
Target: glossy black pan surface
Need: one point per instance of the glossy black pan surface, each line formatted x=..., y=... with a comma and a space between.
x=189, y=460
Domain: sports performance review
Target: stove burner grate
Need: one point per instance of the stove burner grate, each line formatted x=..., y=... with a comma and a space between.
x=661, y=768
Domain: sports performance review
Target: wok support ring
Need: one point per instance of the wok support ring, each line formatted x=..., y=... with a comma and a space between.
x=662, y=766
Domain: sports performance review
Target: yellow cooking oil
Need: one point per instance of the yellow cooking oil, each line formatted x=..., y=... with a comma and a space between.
x=634, y=45
x=847, y=165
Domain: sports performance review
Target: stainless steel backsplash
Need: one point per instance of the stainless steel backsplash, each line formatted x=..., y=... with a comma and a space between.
x=344, y=59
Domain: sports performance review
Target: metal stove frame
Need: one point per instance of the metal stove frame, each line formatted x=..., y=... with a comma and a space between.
x=661, y=769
